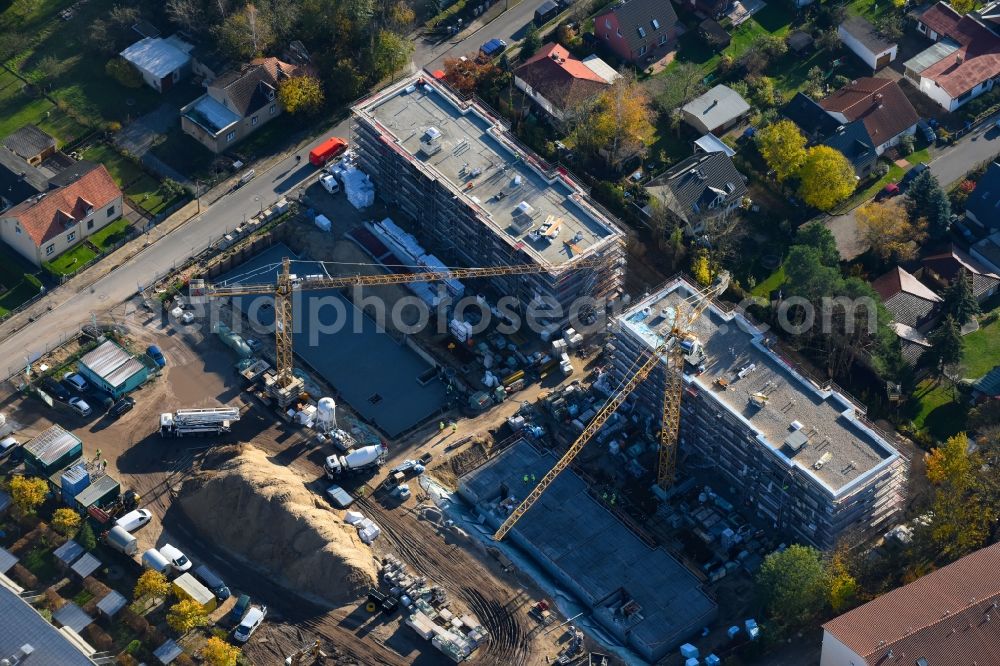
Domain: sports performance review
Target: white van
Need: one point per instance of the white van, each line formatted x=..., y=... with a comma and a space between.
x=177, y=559
x=330, y=184
x=133, y=520
x=154, y=559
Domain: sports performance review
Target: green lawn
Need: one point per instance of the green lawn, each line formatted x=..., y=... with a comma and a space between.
x=982, y=350
x=142, y=188
x=17, y=283
x=110, y=235
x=775, y=280
x=692, y=48
x=870, y=9
x=70, y=262
x=39, y=562
x=939, y=413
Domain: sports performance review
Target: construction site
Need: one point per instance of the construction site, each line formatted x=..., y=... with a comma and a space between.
x=396, y=492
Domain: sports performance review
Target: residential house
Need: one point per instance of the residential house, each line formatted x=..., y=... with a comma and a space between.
x=815, y=123
x=30, y=144
x=559, y=83
x=964, y=62
x=717, y=111
x=983, y=204
x=162, y=62
x=700, y=188
x=237, y=104
x=945, y=617
x=853, y=142
x=944, y=266
x=30, y=164
x=987, y=251
x=47, y=224
x=864, y=41
x=638, y=30
x=913, y=306
x=879, y=104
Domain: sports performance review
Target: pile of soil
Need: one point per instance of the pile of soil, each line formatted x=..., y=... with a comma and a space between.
x=262, y=514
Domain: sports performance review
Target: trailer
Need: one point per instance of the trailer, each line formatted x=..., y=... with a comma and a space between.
x=188, y=422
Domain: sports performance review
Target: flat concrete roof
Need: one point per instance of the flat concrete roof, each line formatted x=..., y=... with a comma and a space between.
x=472, y=139
x=848, y=447
x=583, y=544
x=373, y=373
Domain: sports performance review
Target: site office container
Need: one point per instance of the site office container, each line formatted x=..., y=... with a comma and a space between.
x=326, y=151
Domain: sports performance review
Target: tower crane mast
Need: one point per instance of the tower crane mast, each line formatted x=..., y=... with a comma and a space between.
x=669, y=352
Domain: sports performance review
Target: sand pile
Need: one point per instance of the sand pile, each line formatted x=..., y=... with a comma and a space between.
x=263, y=514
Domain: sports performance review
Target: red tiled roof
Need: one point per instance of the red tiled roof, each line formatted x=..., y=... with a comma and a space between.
x=899, y=281
x=941, y=18
x=879, y=103
x=976, y=61
x=950, y=616
x=46, y=217
x=559, y=77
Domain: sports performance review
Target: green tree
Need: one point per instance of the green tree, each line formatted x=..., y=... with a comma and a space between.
x=947, y=345
x=301, y=94
x=390, y=53
x=27, y=493
x=927, y=199
x=532, y=42
x=86, y=537
x=792, y=585
x=783, y=148
x=66, y=521
x=123, y=72
x=185, y=615
x=963, y=6
x=886, y=227
x=842, y=588
x=959, y=300
x=819, y=237
x=245, y=33
x=826, y=178
x=700, y=268
x=619, y=123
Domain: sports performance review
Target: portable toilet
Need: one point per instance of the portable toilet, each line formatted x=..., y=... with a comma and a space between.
x=73, y=482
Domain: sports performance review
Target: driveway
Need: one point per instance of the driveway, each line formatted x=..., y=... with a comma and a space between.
x=950, y=166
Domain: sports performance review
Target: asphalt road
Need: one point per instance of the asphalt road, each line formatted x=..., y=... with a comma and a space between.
x=53, y=326
x=975, y=148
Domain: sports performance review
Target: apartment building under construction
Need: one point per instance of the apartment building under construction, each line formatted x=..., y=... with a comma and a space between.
x=798, y=455
x=478, y=198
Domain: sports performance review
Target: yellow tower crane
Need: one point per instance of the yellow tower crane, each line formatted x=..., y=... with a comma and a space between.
x=669, y=352
x=288, y=283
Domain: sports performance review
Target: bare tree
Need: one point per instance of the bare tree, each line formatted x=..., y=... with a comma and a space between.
x=186, y=14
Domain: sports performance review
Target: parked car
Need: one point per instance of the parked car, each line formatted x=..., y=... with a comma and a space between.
x=251, y=621
x=239, y=609
x=122, y=407
x=330, y=184
x=493, y=48
x=154, y=353
x=178, y=560
x=926, y=131
x=76, y=381
x=890, y=190
x=80, y=406
x=340, y=497
x=133, y=520
x=7, y=447
x=187, y=317
x=55, y=389
x=212, y=582
x=911, y=174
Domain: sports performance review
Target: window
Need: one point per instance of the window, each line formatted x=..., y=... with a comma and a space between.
x=273, y=109
x=663, y=38
x=17, y=229
x=253, y=120
x=70, y=237
x=50, y=249
x=111, y=211
x=607, y=23
x=921, y=27
x=655, y=24
x=90, y=225
x=642, y=31
x=642, y=50
x=231, y=136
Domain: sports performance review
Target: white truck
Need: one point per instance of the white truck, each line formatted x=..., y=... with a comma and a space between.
x=186, y=422
x=359, y=459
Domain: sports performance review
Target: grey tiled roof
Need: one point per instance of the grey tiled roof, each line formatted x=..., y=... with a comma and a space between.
x=635, y=14
x=690, y=187
x=28, y=141
x=22, y=625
